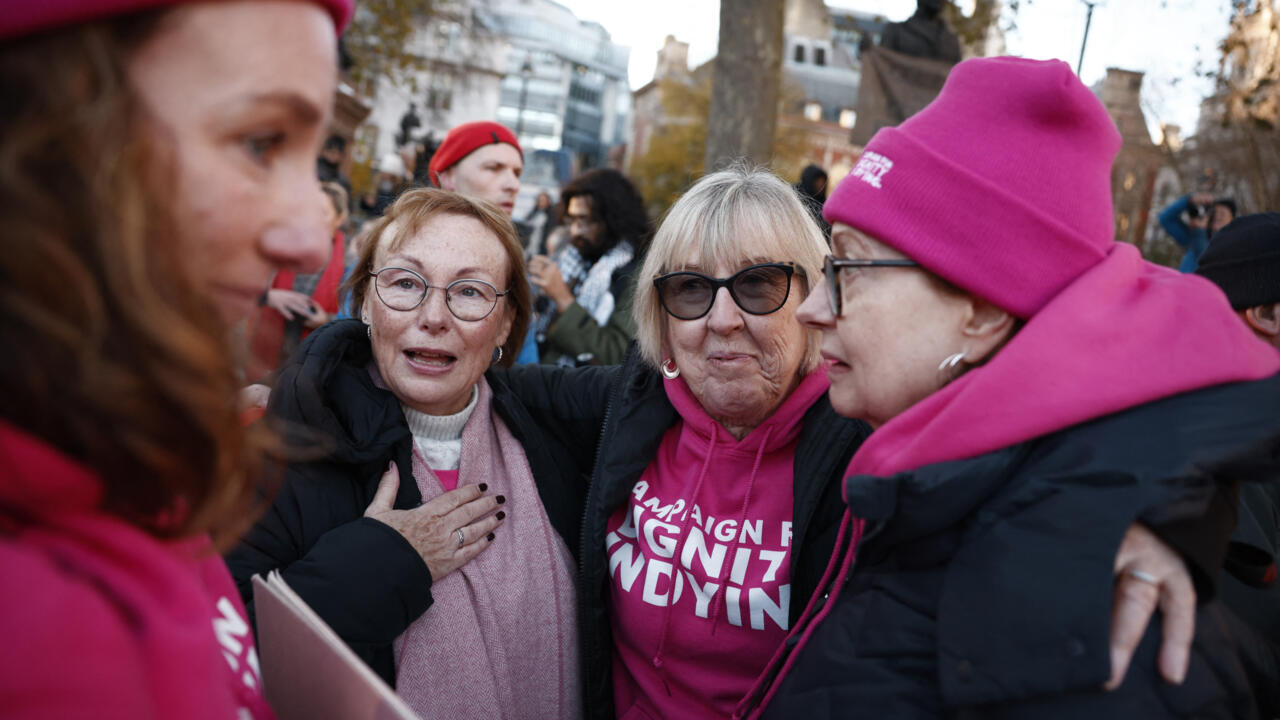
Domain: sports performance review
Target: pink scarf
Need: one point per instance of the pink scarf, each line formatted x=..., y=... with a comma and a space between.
x=501, y=638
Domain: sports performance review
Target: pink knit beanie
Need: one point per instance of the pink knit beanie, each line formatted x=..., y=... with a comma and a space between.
x=1002, y=185
x=25, y=17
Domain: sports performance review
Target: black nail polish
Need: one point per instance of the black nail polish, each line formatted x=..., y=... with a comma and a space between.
x=502, y=499
x=501, y=514
x=489, y=537
x=483, y=487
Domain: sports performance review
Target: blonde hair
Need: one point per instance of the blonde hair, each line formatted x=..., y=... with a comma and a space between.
x=706, y=227
x=415, y=209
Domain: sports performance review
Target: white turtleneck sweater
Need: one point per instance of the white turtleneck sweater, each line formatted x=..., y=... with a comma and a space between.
x=439, y=437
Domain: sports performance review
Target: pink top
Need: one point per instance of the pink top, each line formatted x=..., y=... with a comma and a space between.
x=448, y=478
x=101, y=619
x=700, y=561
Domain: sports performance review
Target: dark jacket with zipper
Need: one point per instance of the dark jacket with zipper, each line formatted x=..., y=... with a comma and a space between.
x=360, y=575
x=626, y=408
x=983, y=587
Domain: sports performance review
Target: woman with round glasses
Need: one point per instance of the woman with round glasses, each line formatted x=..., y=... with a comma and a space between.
x=1036, y=389
x=434, y=534
x=714, y=502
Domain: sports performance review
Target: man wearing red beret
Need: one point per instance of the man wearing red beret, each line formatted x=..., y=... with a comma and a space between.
x=482, y=160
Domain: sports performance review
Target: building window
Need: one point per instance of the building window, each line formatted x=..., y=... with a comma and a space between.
x=799, y=56
x=848, y=117
x=813, y=111
x=819, y=56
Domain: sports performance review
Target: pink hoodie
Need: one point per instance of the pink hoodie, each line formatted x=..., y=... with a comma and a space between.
x=699, y=560
x=101, y=620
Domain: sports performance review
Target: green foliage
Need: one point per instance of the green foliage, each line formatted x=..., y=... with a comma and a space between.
x=379, y=41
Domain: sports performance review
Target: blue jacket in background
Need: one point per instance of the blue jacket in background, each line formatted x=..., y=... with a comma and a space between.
x=1195, y=240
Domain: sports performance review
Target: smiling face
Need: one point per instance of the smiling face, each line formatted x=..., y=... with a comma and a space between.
x=239, y=94
x=428, y=357
x=898, y=324
x=739, y=366
x=490, y=173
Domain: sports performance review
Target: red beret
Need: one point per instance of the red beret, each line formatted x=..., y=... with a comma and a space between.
x=464, y=140
x=32, y=16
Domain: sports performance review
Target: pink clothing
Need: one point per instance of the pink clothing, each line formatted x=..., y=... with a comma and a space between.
x=500, y=639
x=945, y=188
x=448, y=478
x=688, y=643
x=102, y=620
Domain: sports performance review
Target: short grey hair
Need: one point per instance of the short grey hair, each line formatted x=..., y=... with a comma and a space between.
x=706, y=226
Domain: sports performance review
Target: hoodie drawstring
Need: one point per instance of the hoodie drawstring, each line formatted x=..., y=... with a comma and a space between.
x=680, y=540
x=742, y=518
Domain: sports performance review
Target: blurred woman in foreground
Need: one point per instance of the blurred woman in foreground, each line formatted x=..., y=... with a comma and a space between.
x=156, y=169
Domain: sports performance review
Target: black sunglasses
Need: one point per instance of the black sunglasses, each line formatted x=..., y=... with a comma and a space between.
x=832, y=266
x=757, y=289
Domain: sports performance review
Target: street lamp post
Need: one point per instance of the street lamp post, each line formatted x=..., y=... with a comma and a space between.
x=1087, y=19
x=526, y=72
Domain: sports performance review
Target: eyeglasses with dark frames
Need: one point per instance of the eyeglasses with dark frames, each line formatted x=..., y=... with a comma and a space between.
x=758, y=289
x=832, y=266
x=403, y=289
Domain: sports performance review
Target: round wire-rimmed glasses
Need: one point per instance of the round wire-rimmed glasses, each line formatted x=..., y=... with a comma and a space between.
x=757, y=289
x=403, y=289
x=832, y=266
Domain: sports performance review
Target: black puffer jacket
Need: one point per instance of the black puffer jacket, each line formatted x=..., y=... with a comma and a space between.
x=361, y=576
x=626, y=408
x=983, y=587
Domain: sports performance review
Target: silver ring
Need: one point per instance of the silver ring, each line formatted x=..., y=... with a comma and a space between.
x=1145, y=577
x=461, y=538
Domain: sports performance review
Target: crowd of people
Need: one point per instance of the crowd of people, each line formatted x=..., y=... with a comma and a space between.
x=926, y=443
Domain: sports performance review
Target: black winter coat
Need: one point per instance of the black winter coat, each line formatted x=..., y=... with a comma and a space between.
x=626, y=408
x=361, y=576
x=983, y=587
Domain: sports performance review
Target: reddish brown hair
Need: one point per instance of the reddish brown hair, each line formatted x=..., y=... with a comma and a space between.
x=110, y=355
x=412, y=211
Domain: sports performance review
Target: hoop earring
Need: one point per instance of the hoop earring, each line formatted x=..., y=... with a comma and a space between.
x=497, y=359
x=368, y=331
x=669, y=370
x=947, y=368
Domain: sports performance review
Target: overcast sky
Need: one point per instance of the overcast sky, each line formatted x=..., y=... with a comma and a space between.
x=1164, y=38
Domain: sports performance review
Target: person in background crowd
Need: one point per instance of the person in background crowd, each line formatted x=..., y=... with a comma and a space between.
x=483, y=160
x=329, y=163
x=588, y=287
x=296, y=304
x=1205, y=216
x=812, y=189
x=158, y=167
x=480, y=159
x=1017, y=438
x=1244, y=260
x=713, y=506
x=449, y=571
x=541, y=221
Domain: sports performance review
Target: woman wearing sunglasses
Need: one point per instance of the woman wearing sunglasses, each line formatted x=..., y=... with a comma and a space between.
x=421, y=536
x=714, y=502
x=1036, y=389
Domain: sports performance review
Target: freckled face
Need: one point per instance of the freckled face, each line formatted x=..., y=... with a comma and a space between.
x=428, y=357
x=239, y=95
x=739, y=366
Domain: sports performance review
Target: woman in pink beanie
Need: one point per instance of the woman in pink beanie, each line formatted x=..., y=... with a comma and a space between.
x=1036, y=388
x=156, y=169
